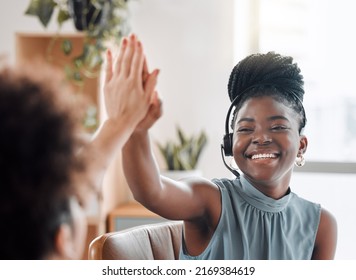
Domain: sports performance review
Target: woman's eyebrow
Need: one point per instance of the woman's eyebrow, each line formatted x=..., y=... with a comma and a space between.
x=245, y=120
x=272, y=118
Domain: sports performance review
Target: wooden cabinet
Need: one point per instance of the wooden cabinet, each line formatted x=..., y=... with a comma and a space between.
x=131, y=214
x=48, y=47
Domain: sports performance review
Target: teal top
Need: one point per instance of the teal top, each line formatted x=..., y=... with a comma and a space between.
x=254, y=226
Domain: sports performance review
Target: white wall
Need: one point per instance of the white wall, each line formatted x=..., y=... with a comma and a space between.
x=12, y=19
x=336, y=193
x=191, y=41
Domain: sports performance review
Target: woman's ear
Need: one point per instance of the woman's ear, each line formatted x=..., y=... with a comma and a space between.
x=64, y=243
x=303, y=145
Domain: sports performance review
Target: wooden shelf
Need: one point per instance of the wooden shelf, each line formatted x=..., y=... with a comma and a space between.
x=46, y=47
x=131, y=214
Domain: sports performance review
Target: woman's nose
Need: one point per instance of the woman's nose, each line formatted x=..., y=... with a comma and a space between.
x=261, y=138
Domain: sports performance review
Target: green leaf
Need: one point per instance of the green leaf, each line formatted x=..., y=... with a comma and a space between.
x=68, y=71
x=183, y=155
x=170, y=156
x=62, y=17
x=67, y=46
x=91, y=119
x=78, y=62
x=77, y=76
x=43, y=9
x=182, y=137
x=93, y=58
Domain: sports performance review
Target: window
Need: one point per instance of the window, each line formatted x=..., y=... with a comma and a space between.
x=320, y=35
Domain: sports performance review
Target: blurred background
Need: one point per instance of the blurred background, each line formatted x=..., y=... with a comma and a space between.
x=196, y=43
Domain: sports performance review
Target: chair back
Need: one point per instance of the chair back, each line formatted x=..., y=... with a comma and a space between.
x=160, y=241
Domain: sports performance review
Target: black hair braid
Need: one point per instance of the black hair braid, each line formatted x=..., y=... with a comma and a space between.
x=268, y=74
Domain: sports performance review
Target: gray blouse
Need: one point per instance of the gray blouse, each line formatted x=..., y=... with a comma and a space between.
x=254, y=226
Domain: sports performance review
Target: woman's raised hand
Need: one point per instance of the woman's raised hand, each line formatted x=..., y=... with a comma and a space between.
x=129, y=88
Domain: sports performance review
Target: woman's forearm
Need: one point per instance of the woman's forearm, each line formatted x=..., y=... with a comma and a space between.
x=141, y=169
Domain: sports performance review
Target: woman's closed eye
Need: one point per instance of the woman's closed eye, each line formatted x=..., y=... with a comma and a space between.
x=244, y=129
x=279, y=127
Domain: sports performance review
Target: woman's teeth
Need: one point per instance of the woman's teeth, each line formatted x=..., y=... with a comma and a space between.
x=261, y=156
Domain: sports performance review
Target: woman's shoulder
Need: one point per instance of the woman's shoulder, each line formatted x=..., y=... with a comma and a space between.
x=304, y=203
x=326, y=238
x=225, y=182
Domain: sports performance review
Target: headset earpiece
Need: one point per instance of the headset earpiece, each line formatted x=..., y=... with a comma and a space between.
x=227, y=139
x=227, y=144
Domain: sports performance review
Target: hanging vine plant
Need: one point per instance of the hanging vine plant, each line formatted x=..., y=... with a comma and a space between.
x=99, y=20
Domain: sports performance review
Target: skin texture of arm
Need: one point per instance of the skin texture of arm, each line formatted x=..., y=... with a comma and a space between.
x=326, y=238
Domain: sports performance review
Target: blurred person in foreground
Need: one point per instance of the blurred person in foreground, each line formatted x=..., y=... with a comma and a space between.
x=46, y=172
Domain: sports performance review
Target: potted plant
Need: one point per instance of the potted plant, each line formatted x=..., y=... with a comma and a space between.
x=99, y=21
x=181, y=158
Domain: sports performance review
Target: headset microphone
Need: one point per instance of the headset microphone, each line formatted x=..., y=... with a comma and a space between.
x=237, y=174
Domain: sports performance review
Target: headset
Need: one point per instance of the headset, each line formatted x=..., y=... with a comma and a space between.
x=226, y=146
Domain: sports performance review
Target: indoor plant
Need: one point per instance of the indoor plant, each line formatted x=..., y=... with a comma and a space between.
x=184, y=154
x=99, y=21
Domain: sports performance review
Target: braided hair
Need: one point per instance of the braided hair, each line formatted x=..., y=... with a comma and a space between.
x=268, y=74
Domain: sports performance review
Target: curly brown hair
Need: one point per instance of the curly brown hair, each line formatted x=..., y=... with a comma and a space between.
x=38, y=160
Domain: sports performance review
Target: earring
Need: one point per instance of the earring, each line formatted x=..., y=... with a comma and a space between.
x=300, y=161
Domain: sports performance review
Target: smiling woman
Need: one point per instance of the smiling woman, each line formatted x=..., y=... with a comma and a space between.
x=255, y=215
x=311, y=32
